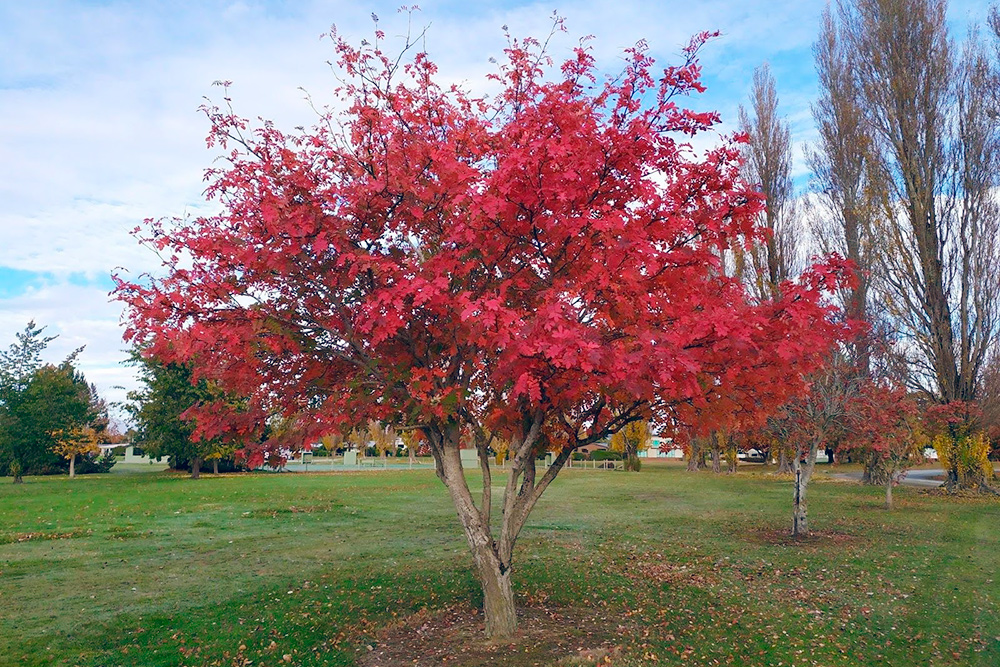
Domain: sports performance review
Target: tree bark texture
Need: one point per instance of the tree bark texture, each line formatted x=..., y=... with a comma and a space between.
x=632, y=463
x=803, y=473
x=874, y=473
x=784, y=465
x=196, y=467
x=72, y=466
x=694, y=456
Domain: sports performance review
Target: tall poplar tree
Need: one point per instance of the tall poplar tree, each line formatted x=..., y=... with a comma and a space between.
x=930, y=110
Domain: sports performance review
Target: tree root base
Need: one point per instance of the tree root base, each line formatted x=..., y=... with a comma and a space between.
x=545, y=635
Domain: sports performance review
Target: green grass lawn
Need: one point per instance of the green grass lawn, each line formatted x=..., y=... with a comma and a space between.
x=307, y=569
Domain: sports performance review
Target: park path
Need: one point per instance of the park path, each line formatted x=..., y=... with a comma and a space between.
x=920, y=478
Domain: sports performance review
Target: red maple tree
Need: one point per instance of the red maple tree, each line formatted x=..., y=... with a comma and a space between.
x=886, y=425
x=542, y=265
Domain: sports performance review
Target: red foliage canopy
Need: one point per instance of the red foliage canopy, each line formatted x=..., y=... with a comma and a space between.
x=884, y=419
x=548, y=256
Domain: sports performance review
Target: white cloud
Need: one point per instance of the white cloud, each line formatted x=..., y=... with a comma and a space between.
x=81, y=316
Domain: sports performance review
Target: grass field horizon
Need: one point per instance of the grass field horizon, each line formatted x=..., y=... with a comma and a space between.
x=322, y=568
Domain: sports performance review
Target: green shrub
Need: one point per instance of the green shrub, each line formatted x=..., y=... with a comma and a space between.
x=87, y=465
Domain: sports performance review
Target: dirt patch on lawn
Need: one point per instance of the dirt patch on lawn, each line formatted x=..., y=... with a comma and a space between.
x=783, y=537
x=545, y=636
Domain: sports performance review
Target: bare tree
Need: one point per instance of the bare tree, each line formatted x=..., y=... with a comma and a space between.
x=846, y=192
x=768, y=163
x=931, y=115
x=990, y=400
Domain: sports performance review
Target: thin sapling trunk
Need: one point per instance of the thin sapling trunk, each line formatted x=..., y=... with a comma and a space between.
x=803, y=473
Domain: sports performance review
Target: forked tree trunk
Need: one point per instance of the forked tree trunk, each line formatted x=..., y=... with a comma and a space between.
x=72, y=466
x=494, y=577
x=196, y=467
x=492, y=558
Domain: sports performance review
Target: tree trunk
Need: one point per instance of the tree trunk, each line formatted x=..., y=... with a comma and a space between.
x=716, y=458
x=803, y=473
x=784, y=465
x=951, y=479
x=493, y=574
x=215, y=466
x=493, y=557
x=72, y=466
x=888, y=493
x=196, y=467
x=694, y=455
x=874, y=473
x=410, y=452
x=800, y=516
x=632, y=463
x=498, y=597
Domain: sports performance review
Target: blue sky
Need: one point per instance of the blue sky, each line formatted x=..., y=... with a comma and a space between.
x=99, y=128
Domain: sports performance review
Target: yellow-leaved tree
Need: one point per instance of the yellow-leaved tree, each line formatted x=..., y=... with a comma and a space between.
x=411, y=440
x=634, y=438
x=77, y=441
x=383, y=437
